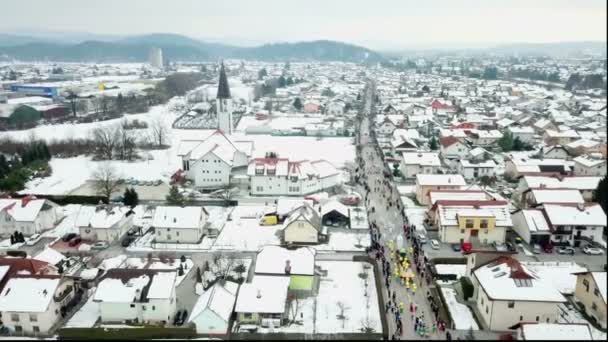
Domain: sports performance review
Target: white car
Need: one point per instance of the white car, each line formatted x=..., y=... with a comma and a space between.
x=422, y=239
x=33, y=239
x=592, y=250
x=100, y=245
x=434, y=244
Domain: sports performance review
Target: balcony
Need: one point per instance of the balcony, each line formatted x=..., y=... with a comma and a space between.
x=63, y=294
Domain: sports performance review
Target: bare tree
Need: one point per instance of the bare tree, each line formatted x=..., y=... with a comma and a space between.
x=106, y=180
x=295, y=305
x=105, y=139
x=224, y=264
x=159, y=132
x=125, y=148
x=342, y=307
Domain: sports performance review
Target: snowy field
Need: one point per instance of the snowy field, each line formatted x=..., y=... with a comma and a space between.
x=278, y=122
x=460, y=313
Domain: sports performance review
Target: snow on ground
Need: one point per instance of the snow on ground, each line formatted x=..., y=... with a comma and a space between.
x=346, y=241
x=279, y=121
x=458, y=269
x=142, y=263
x=558, y=273
x=7, y=244
x=416, y=217
x=568, y=314
x=86, y=317
x=114, y=262
x=343, y=285
x=460, y=313
x=406, y=190
x=246, y=235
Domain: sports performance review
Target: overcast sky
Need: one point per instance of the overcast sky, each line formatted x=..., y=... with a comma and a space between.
x=379, y=24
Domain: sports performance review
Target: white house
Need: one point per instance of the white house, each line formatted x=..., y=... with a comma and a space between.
x=26, y=215
x=573, y=224
x=506, y=293
x=485, y=138
x=532, y=331
x=426, y=182
x=103, y=223
x=136, y=295
x=531, y=226
x=179, y=224
x=452, y=147
x=208, y=163
x=474, y=169
x=303, y=226
x=263, y=301
x=281, y=177
x=539, y=196
x=212, y=311
x=525, y=134
x=556, y=152
x=589, y=165
x=335, y=107
x=414, y=163
x=32, y=304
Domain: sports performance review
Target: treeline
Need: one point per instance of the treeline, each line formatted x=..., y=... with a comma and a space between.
x=535, y=74
x=582, y=82
x=29, y=160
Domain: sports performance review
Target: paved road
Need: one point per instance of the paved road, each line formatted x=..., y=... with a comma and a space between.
x=389, y=221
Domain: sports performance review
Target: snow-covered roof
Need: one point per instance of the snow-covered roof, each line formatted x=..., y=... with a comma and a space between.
x=556, y=331
x=178, y=217
x=265, y=294
x=114, y=290
x=22, y=210
x=273, y=260
x=443, y=180
x=50, y=255
x=580, y=183
x=304, y=212
x=286, y=205
x=586, y=143
x=561, y=274
x=487, y=163
x=557, y=196
x=107, y=218
x=535, y=220
x=578, y=215
x=588, y=161
x=29, y=99
x=162, y=285
x=448, y=213
x=454, y=195
x=28, y=294
x=421, y=158
x=332, y=205
x=507, y=279
x=218, y=299
x=600, y=280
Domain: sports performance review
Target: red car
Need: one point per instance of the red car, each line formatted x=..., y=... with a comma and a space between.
x=466, y=247
x=75, y=241
x=548, y=248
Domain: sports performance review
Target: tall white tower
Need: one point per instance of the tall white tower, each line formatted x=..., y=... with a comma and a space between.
x=156, y=57
x=223, y=102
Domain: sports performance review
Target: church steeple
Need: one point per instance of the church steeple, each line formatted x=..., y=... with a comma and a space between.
x=223, y=91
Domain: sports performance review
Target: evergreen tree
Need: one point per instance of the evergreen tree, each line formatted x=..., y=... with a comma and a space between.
x=4, y=167
x=506, y=142
x=12, y=240
x=181, y=270
x=490, y=73
x=262, y=73
x=60, y=269
x=182, y=258
x=297, y=104
x=290, y=80
x=199, y=276
x=130, y=197
x=600, y=194
x=175, y=197
x=282, y=82
x=433, y=144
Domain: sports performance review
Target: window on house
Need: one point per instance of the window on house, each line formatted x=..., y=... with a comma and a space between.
x=481, y=301
x=594, y=306
x=15, y=317
x=521, y=318
x=586, y=284
x=511, y=305
x=247, y=315
x=483, y=224
x=462, y=231
x=487, y=309
x=469, y=223
x=177, y=233
x=537, y=318
x=18, y=328
x=132, y=305
x=596, y=292
x=153, y=307
x=33, y=318
x=143, y=307
x=36, y=328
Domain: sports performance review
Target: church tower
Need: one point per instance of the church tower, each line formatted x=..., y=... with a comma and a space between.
x=223, y=103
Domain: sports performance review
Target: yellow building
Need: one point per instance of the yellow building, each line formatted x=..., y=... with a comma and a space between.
x=591, y=293
x=483, y=222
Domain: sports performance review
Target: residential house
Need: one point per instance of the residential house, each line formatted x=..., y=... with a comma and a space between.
x=335, y=107
x=27, y=215
x=208, y=163
x=297, y=264
x=281, y=177
x=572, y=224
x=10, y=267
x=478, y=222
x=335, y=214
x=136, y=295
x=532, y=331
x=386, y=127
x=590, y=165
x=538, y=196
x=506, y=294
x=591, y=293
x=404, y=140
x=453, y=148
x=457, y=195
x=263, y=301
x=104, y=223
x=33, y=304
x=556, y=152
x=552, y=137
x=472, y=169
x=525, y=134
x=518, y=165
x=584, y=146
x=179, y=224
x=311, y=106
x=303, y=226
x=426, y=183
x=586, y=185
x=414, y=163
x=212, y=311
x=543, y=125
x=532, y=226
x=484, y=138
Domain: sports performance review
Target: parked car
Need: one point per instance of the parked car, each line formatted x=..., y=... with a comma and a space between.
x=100, y=245
x=33, y=239
x=536, y=249
x=178, y=317
x=75, y=241
x=127, y=241
x=68, y=237
x=434, y=244
x=182, y=318
x=565, y=250
x=592, y=250
x=501, y=247
x=17, y=254
x=548, y=248
x=466, y=247
x=511, y=246
x=422, y=239
x=456, y=247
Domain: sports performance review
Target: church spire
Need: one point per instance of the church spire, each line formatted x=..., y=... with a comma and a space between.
x=223, y=91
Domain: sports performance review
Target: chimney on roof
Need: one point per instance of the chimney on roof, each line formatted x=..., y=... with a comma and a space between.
x=259, y=295
x=287, y=267
x=174, y=220
x=542, y=185
x=44, y=292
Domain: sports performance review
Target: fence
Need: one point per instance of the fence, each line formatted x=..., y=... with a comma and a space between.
x=134, y=333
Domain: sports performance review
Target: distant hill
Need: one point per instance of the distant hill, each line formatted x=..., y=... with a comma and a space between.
x=554, y=49
x=178, y=47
